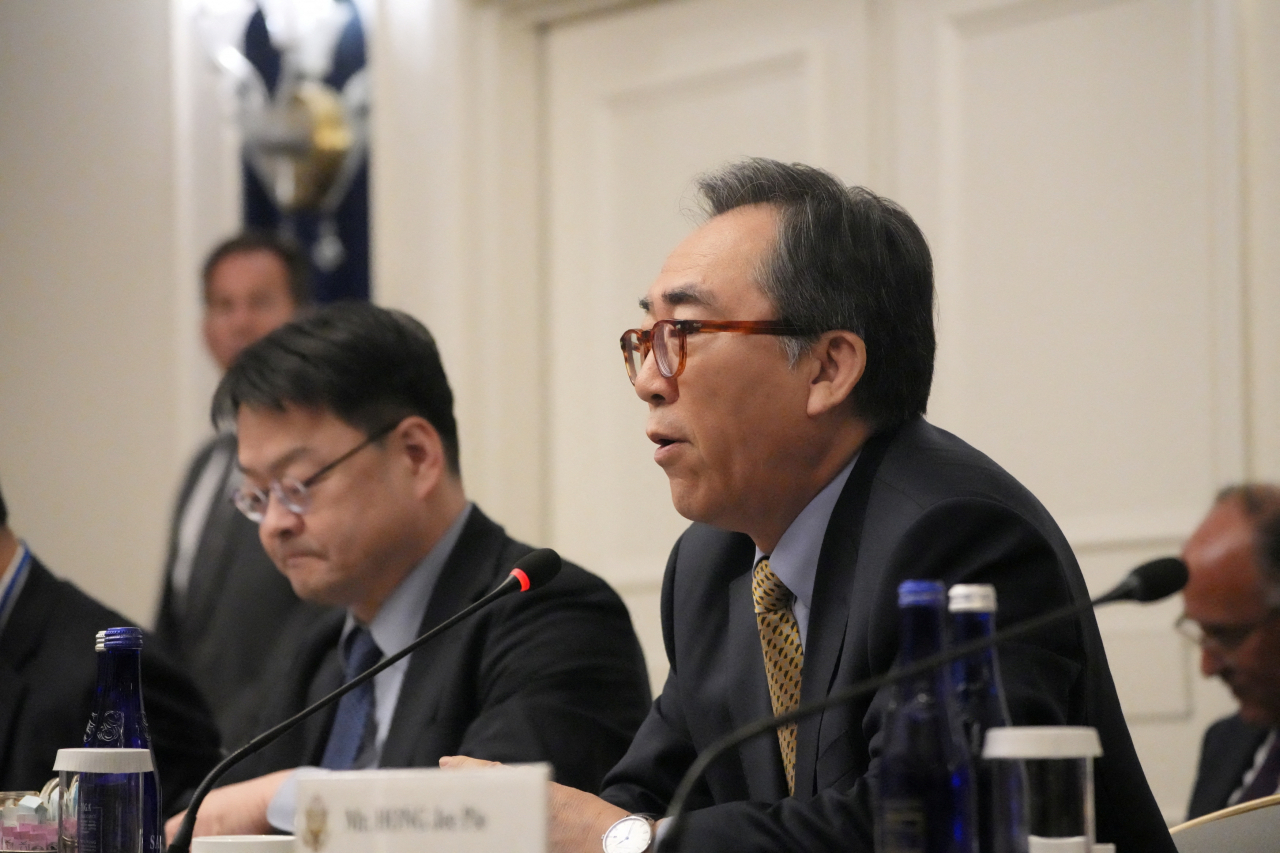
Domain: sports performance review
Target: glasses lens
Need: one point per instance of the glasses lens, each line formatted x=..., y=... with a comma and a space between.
x=1222, y=638
x=668, y=347
x=633, y=353
x=292, y=494
x=252, y=503
x=1190, y=629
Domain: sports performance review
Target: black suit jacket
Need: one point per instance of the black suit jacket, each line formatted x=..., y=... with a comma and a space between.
x=239, y=610
x=48, y=671
x=1226, y=755
x=919, y=503
x=553, y=675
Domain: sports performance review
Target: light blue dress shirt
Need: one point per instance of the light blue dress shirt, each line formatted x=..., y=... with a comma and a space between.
x=795, y=558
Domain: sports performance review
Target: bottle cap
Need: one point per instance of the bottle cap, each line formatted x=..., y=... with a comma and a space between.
x=119, y=638
x=1042, y=742
x=921, y=593
x=972, y=598
x=104, y=760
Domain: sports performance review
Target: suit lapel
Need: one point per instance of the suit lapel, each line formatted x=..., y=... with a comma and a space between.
x=13, y=690
x=31, y=612
x=328, y=678
x=829, y=615
x=209, y=566
x=184, y=497
x=1237, y=759
x=21, y=640
x=465, y=577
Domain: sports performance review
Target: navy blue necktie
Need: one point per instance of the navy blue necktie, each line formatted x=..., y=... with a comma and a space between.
x=353, y=738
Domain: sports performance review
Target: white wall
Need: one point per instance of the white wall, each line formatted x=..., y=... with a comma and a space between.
x=1260, y=56
x=88, y=386
x=114, y=178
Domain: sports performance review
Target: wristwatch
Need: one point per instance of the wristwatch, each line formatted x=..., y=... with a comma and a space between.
x=631, y=834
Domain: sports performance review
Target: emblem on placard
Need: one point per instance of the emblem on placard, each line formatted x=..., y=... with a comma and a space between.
x=315, y=832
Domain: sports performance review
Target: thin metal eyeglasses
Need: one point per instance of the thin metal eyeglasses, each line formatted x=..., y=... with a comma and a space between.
x=1222, y=638
x=293, y=494
x=667, y=339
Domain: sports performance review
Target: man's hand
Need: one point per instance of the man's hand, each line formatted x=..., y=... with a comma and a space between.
x=578, y=820
x=239, y=809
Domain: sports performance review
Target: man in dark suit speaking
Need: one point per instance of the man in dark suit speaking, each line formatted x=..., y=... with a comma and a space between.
x=1230, y=609
x=349, y=450
x=786, y=357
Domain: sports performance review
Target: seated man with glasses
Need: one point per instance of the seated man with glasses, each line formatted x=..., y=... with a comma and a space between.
x=1229, y=609
x=349, y=450
x=785, y=358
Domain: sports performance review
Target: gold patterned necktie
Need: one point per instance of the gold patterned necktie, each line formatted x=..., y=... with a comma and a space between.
x=783, y=655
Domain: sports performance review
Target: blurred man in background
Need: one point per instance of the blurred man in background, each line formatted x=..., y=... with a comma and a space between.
x=48, y=671
x=224, y=608
x=1230, y=610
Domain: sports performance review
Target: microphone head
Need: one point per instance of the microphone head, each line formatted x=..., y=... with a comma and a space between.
x=536, y=568
x=1157, y=579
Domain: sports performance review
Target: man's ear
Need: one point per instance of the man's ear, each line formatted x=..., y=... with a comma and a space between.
x=838, y=360
x=423, y=453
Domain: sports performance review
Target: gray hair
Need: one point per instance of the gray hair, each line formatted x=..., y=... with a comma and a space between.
x=845, y=258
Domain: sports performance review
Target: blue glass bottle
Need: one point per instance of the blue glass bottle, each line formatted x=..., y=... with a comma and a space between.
x=119, y=720
x=981, y=703
x=925, y=801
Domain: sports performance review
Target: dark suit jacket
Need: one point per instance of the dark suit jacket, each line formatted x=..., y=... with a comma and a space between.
x=239, y=609
x=1226, y=755
x=554, y=674
x=919, y=503
x=48, y=671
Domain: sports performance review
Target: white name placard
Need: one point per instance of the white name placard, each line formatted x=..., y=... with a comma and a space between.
x=494, y=810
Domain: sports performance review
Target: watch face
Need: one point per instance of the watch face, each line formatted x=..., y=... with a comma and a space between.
x=629, y=835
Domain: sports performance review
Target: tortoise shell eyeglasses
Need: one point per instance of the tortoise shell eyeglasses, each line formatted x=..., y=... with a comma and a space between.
x=667, y=340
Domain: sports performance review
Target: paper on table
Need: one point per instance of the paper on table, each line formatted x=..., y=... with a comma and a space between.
x=1250, y=827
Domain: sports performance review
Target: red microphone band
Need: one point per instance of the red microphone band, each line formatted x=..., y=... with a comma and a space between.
x=519, y=575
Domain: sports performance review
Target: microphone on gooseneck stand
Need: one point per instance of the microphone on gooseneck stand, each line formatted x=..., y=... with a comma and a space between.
x=1148, y=582
x=534, y=570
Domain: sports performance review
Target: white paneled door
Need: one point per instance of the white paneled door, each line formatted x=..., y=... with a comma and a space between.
x=1075, y=166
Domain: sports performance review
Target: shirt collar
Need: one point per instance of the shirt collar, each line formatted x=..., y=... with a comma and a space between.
x=15, y=574
x=397, y=621
x=795, y=558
